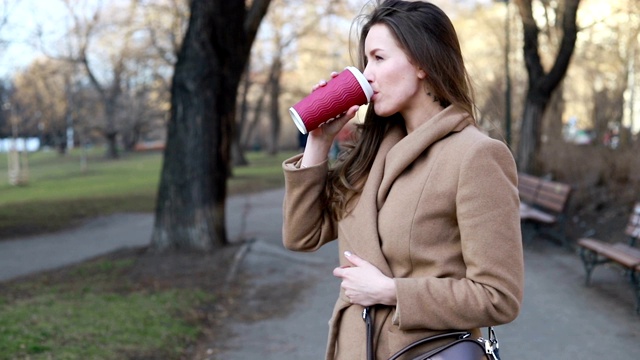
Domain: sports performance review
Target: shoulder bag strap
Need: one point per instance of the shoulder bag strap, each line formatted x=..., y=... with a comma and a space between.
x=366, y=316
x=491, y=344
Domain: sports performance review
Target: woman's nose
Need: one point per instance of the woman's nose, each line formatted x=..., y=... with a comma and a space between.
x=368, y=74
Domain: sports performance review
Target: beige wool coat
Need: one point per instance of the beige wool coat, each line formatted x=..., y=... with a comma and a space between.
x=439, y=214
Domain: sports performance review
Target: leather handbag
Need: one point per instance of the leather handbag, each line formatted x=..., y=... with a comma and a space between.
x=462, y=346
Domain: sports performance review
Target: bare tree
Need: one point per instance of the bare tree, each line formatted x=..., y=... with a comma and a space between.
x=83, y=32
x=283, y=41
x=190, y=210
x=542, y=83
x=151, y=61
x=143, y=104
x=6, y=93
x=166, y=22
x=286, y=24
x=4, y=18
x=41, y=90
x=112, y=46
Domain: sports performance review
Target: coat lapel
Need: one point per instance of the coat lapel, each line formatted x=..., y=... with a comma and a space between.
x=359, y=230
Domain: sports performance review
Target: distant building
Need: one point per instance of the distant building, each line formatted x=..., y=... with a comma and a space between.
x=21, y=144
x=631, y=112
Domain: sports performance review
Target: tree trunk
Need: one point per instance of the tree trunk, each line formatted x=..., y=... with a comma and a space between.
x=112, y=145
x=190, y=209
x=541, y=84
x=237, y=152
x=110, y=132
x=530, y=132
x=552, y=119
x=274, y=88
x=254, y=123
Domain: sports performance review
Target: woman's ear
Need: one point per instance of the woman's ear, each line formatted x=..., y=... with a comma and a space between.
x=421, y=74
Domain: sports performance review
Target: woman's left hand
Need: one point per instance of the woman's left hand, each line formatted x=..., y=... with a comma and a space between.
x=364, y=284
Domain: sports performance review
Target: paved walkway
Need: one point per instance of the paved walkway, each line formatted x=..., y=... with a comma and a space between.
x=560, y=318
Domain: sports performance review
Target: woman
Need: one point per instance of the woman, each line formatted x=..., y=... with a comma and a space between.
x=424, y=205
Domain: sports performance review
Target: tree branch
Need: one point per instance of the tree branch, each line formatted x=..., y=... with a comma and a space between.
x=255, y=14
x=531, y=31
x=570, y=32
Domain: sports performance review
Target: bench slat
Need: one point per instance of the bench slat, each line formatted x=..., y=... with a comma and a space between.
x=552, y=195
x=622, y=254
x=595, y=252
x=593, y=244
x=528, y=187
x=543, y=203
x=530, y=213
x=633, y=251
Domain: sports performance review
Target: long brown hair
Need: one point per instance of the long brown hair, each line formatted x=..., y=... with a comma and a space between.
x=428, y=37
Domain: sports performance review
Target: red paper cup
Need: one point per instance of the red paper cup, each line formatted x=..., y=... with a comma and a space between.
x=333, y=100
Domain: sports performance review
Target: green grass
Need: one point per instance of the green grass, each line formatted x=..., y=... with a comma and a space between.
x=96, y=310
x=59, y=194
x=86, y=318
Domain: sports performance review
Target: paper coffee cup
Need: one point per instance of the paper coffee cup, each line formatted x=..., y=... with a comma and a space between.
x=333, y=100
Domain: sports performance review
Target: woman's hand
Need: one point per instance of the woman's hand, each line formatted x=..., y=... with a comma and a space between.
x=364, y=284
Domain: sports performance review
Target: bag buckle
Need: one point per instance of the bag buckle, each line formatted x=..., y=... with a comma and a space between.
x=491, y=346
x=489, y=350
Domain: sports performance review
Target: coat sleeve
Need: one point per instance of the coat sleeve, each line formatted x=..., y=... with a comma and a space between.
x=487, y=212
x=306, y=223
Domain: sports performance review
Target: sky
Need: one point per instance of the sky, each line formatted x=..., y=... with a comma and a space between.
x=27, y=16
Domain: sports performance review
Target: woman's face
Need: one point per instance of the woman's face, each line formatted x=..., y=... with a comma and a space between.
x=397, y=84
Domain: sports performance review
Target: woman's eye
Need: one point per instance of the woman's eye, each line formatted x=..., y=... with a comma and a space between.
x=377, y=57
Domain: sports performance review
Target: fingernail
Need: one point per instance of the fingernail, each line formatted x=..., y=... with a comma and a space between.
x=347, y=253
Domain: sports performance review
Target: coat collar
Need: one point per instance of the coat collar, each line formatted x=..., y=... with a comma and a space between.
x=397, y=151
x=405, y=151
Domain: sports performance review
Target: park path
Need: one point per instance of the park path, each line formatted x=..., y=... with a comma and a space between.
x=560, y=317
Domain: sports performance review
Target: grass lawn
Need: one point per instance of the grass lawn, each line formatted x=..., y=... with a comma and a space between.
x=120, y=306
x=60, y=194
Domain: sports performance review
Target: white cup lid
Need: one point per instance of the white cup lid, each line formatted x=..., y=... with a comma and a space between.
x=297, y=120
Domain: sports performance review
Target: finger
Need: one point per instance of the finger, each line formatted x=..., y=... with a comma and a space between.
x=337, y=123
x=352, y=258
x=347, y=291
x=334, y=74
x=348, y=296
x=356, y=260
x=344, y=119
x=319, y=84
x=352, y=111
x=339, y=271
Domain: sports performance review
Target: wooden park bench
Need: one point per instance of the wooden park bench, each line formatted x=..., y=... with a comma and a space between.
x=596, y=252
x=542, y=205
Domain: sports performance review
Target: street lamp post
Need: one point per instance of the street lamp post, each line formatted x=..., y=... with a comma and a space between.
x=18, y=169
x=507, y=49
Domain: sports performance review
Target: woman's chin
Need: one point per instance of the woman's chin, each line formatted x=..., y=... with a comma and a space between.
x=381, y=112
x=385, y=114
